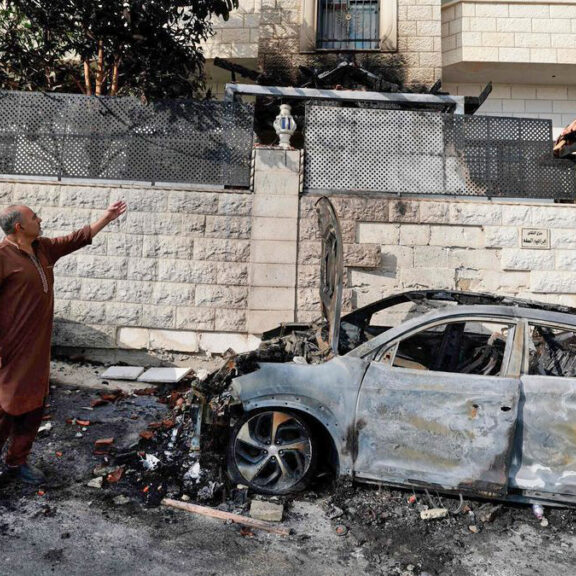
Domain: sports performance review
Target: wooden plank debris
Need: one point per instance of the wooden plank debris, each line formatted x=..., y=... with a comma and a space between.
x=221, y=515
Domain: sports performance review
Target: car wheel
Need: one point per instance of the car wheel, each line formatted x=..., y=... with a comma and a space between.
x=272, y=452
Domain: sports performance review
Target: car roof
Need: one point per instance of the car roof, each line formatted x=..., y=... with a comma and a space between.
x=460, y=298
x=487, y=312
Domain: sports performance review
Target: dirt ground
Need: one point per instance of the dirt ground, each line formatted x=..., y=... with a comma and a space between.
x=70, y=528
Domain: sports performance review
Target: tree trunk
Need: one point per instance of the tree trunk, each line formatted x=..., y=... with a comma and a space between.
x=100, y=69
x=87, y=83
x=115, y=73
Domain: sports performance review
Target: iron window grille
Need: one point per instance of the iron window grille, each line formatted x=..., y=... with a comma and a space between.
x=348, y=25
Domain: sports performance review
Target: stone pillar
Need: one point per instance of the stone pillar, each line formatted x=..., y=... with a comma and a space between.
x=273, y=251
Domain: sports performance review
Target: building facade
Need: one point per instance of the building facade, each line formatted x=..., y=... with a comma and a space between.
x=526, y=48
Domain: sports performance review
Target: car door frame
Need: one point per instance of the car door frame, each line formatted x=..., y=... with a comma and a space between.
x=493, y=484
x=544, y=461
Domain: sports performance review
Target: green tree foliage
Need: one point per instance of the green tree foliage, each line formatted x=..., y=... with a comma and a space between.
x=146, y=47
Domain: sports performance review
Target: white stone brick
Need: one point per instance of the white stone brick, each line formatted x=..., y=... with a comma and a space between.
x=498, y=39
x=499, y=282
x=35, y=194
x=277, y=160
x=219, y=343
x=228, y=227
x=523, y=92
x=271, y=298
x=551, y=25
x=552, y=282
x=87, y=312
x=190, y=202
x=274, y=228
x=414, y=234
x=192, y=318
x=368, y=232
x=158, y=316
x=514, y=54
x=275, y=206
x=102, y=267
x=468, y=213
x=235, y=204
x=423, y=278
x=230, y=320
x=514, y=25
x=477, y=259
x=167, y=247
x=428, y=256
x=144, y=200
x=232, y=273
x=259, y=321
x=208, y=296
x=214, y=249
x=491, y=10
x=529, y=11
x=539, y=106
x=563, y=41
x=555, y=217
x=135, y=338
x=135, y=292
x=277, y=252
x=521, y=259
x=562, y=11
x=566, y=260
x=142, y=269
x=516, y=215
x=272, y=275
x=501, y=237
x=124, y=244
x=483, y=24
x=434, y=212
x=172, y=294
x=178, y=340
x=187, y=272
x=123, y=314
x=532, y=40
x=456, y=236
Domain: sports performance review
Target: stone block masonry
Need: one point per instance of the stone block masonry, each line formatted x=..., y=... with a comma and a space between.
x=200, y=270
x=444, y=244
x=172, y=274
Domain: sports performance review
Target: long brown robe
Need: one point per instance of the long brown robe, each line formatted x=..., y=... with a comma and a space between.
x=26, y=315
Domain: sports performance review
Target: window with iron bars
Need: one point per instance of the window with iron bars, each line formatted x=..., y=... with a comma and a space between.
x=348, y=25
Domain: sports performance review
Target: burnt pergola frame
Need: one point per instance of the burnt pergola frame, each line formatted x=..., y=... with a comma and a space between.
x=447, y=103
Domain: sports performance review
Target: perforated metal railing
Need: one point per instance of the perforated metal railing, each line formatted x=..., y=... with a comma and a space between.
x=375, y=150
x=75, y=136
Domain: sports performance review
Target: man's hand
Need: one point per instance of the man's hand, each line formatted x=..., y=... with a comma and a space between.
x=115, y=210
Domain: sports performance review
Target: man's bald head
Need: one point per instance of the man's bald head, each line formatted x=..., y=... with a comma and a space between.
x=10, y=217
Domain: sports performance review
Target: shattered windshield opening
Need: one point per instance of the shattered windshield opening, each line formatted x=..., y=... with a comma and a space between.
x=552, y=351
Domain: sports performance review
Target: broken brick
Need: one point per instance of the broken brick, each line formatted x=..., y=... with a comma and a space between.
x=104, y=442
x=98, y=402
x=168, y=423
x=145, y=392
x=155, y=425
x=147, y=434
x=83, y=422
x=115, y=476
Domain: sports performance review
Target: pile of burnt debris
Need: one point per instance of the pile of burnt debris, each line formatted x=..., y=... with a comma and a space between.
x=183, y=455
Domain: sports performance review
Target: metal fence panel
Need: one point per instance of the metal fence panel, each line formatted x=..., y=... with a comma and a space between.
x=406, y=152
x=76, y=136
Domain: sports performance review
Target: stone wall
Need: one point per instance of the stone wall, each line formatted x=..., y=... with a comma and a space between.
x=556, y=103
x=529, y=32
x=204, y=270
x=171, y=274
x=394, y=245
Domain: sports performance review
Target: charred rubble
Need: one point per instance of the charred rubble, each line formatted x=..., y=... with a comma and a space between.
x=184, y=454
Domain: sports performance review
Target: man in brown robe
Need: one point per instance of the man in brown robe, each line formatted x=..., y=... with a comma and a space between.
x=26, y=312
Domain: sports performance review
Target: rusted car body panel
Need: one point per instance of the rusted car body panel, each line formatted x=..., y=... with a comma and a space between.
x=328, y=392
x=439, y=430
x=507, y=436
x=428, y=403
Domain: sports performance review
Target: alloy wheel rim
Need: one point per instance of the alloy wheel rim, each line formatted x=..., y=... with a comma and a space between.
x=273, y=450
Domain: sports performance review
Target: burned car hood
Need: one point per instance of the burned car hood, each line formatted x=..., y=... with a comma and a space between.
x=331, y=269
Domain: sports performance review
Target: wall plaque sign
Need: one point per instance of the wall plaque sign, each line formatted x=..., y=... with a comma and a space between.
x=536, y=238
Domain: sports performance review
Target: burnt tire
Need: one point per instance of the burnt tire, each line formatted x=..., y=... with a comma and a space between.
x=272, y=452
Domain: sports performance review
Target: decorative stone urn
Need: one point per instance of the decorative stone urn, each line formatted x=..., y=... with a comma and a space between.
x=284, y=125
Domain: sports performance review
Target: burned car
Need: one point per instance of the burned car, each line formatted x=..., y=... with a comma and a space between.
x=471, y=393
